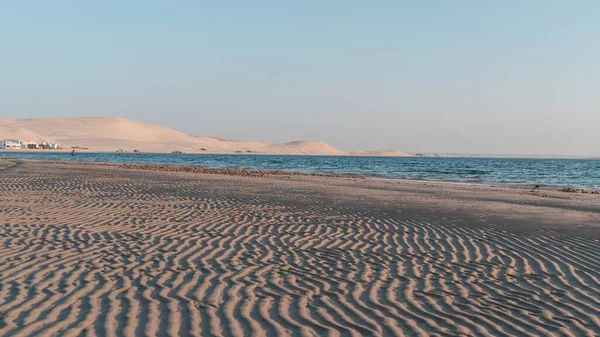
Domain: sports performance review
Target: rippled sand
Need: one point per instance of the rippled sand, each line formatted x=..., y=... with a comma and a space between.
x=103, y=251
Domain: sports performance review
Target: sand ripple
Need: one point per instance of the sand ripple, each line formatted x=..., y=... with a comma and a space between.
x=104, y=252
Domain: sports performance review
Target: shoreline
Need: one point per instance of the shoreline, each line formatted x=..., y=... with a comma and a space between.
x=6, y=163
x=207, y=153
x=254, y=172
x=410, y=155
x=194, y=169
x=480, y=194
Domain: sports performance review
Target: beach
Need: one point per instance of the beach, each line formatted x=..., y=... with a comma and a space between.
x=113, y=250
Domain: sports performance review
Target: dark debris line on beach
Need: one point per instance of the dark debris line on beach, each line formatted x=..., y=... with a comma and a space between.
x=209, y=170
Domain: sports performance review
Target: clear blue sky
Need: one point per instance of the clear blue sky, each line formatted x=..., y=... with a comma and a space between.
x=454, y=76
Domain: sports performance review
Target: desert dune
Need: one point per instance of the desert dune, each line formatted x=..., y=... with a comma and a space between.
x=108, y=134
x=384, y=153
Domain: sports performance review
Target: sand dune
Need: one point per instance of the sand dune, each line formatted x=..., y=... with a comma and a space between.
x=17, y=132
x=108, y=134
x=101, y=251
x=388, y=153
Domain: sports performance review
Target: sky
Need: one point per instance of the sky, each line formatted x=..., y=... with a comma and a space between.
x=496, y=77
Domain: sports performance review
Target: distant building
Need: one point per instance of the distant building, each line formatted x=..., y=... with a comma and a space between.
x=48, y=146
x=29, y=145
x=11, y=144
x=16, y=144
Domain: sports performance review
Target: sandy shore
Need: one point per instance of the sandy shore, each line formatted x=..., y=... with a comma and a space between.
x=109, y=251
x=6, y=163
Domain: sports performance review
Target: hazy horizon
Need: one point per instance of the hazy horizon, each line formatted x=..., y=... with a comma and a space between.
x=470, y=77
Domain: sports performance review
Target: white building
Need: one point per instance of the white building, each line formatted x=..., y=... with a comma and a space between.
x=29, y=145
x=16, y=144
x=11, y=144
x=50, y=146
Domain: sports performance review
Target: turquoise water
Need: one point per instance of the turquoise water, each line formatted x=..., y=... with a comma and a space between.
x=579, y=173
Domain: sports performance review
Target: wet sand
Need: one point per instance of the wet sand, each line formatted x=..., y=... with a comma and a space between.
x=5, y=163
x=103, y=250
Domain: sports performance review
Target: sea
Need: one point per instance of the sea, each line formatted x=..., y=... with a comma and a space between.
x=576, y=173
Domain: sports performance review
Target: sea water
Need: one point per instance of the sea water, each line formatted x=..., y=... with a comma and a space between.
x=577, y=173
